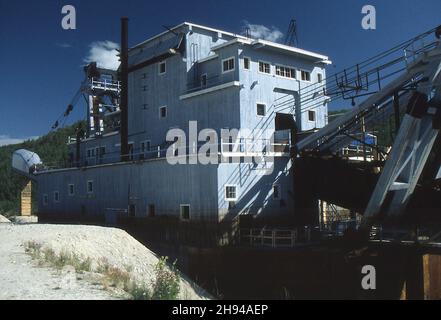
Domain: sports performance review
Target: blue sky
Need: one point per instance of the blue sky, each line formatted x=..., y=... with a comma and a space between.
x=41, y=63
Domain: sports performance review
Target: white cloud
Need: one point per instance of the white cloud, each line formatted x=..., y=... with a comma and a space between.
x=259, y=31
x=6, y=140
x=104, y=53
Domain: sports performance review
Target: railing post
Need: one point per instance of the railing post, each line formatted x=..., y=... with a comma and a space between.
x=274, y=238
x=251, y=237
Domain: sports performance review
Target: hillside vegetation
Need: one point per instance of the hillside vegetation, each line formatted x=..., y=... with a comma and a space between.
x=52, y=150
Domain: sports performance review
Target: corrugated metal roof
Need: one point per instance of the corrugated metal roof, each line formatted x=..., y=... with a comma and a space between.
x=160, y=49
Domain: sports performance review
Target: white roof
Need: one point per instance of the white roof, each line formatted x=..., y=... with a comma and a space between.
x=274, y=45
x=244, y=40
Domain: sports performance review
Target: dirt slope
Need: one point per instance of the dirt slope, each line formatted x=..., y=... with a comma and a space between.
x=21, y=278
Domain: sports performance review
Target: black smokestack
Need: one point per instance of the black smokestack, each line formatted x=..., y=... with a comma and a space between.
x=124, y=103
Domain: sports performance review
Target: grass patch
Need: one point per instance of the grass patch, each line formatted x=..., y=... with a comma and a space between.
x=164, y=286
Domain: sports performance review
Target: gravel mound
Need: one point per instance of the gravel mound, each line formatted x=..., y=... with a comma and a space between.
x=112, y=245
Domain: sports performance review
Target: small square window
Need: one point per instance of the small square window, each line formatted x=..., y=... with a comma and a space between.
x=151, y=211
x=56, y=196
x=311, y=115
x=71, y=190
x=185, y=212
x=163, y=112
x=230, y=193
x=132, y=210
x=264, y=67
x=228, y=65
x=204, y=80
x=90, y=186
x=246, y=63
x=306, y=76
x=162, y=67
x=319, y=78
x=261, y=109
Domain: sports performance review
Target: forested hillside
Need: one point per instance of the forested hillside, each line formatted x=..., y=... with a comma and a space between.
x=51, y=148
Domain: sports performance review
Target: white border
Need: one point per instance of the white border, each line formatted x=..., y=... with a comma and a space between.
x=243, y=63
x=166, y=112
x=159, y=68
x=56, y=192
x=225, y=192
x=257, y=102
x=189, y=212
x=68, y=190
x=87, y=187
x=227, y=59
x=270, y=67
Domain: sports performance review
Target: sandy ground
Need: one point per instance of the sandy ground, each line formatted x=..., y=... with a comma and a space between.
x=21, y=278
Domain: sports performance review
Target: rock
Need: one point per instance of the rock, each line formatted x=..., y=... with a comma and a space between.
x=25, y=219
x=4, y=220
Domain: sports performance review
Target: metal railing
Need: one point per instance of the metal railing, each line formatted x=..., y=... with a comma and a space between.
x=274, y=238
x=106, y=85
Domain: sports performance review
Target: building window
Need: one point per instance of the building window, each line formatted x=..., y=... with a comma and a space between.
x=152, y=212
x=311, y=115
x=264, y=67
x=163, y=112
x=246, y=63
x=306, y=75
x=285, y=72
x=90, y=186
x=102, y=151
x=228, y=65
x=45, y=199
x=56, y=196
x=261, y=109
x=132, y=210
x=89, y=154
x=230, y=193
x=204, y=80
x=319, y=78
x=162, y=67
x=276, y=192
x=185, y=211
x=71, y=190
x=131, y=151
x=145, y=147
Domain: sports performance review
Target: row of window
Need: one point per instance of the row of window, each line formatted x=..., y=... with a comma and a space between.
x=96, y=152
x=230, y=195
x=264, y=67
x=70, y=192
